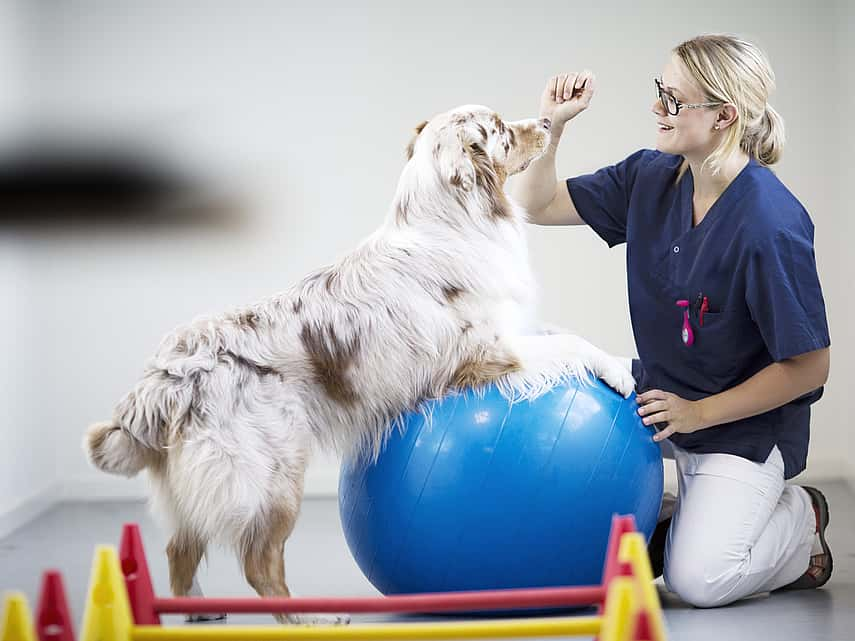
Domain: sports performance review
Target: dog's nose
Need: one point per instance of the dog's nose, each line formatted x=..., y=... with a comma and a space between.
x=546, y=123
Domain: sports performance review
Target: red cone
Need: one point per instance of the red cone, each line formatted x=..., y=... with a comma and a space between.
x=137, y=577
x=53, y=620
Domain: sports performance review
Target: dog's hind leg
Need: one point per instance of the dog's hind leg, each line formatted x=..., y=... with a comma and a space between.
x=263, y=549
x=185, y=551
x=196, y=591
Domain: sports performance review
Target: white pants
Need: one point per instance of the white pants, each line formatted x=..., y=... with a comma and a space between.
x=738, y=529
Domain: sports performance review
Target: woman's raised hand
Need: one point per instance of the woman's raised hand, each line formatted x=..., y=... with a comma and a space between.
x=566, y=95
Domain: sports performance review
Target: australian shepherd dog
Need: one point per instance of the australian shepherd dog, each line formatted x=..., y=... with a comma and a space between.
x=440, y=297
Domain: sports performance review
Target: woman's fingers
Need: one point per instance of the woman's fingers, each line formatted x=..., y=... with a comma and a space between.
x=551, y=86
x=653, y=406
x=651, y=395
x=559, y=87
x=565, y=95
x=662, y=435
x=659, y=417
x=587, y=86
x=569, y=87
x=577, y=86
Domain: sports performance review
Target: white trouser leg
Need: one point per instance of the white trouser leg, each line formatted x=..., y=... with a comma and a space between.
x=738, y=529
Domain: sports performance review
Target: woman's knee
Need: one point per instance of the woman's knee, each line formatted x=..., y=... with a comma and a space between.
x=702, y=580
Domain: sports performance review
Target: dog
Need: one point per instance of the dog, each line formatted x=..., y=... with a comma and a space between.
x=440, y=297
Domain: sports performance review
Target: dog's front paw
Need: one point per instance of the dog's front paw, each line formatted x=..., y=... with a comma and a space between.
x=615, y=375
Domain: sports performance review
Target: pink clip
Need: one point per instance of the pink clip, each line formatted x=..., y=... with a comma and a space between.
x=687, y=334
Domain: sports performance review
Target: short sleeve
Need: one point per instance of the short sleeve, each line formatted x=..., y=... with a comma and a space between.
x=784, y=295
x=602, y=198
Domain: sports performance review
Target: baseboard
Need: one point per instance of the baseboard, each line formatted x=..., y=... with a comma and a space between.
x=27, y=510
x=104, y=488
x=824, y=470
x=321, y=482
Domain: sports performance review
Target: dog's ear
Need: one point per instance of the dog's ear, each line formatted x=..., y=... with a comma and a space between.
x=477, y=170
x=471, y=166
x=487, y=174
x=412, y=144
x=458, y=160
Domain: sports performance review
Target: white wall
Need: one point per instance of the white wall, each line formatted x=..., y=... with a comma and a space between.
x=313, y=107
x=27, y=470
x=815, y=170
x=844, y=224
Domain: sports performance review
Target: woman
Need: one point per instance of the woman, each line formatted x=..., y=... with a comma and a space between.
x=726, y=309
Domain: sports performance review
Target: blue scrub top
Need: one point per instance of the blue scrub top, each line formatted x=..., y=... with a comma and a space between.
x=751, y=256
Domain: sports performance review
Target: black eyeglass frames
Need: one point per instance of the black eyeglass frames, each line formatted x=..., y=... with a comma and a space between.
x=670, y=103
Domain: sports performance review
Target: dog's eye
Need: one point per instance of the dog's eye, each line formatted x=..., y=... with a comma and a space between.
x=477, y=149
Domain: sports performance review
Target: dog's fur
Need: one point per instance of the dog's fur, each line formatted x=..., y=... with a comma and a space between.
x=439, y=297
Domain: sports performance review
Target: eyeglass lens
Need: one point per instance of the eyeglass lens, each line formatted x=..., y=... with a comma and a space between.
x=669, y=102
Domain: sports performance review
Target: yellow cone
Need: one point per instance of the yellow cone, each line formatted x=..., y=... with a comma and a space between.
x=633, y=550
x=107, y=616
x=16, y=624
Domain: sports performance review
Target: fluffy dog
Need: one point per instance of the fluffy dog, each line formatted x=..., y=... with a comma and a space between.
x=439, y=297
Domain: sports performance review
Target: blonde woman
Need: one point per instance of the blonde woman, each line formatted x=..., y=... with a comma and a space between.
x=726, y=309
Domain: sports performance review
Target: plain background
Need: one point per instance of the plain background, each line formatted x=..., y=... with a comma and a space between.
x=306, y=111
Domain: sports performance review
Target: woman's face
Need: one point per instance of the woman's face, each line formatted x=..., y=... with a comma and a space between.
x=691, y=132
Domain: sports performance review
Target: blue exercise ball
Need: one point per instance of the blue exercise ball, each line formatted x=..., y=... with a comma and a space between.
x=492, y=495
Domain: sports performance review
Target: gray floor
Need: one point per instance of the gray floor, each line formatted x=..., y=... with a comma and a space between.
x=319, y=564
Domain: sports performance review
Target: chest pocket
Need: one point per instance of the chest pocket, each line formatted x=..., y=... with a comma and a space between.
x=726, y=343
x=728, y=339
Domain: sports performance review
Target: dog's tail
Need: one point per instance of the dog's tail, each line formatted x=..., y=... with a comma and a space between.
x=112, y=449
x=135, y=437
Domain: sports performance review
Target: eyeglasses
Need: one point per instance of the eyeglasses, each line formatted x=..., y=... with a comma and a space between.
x=670, y=103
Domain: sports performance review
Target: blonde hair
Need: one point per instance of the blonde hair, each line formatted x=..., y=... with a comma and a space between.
x=729, y=69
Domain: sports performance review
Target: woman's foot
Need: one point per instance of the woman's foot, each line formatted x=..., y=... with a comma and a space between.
x=821, y=563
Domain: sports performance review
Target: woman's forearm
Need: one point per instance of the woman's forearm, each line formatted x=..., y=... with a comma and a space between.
x=771, y=387
x=564, y=97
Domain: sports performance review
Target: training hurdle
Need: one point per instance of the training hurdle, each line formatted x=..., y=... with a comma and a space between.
x=121, y=606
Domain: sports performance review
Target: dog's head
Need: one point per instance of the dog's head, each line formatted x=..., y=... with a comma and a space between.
x=472, y=146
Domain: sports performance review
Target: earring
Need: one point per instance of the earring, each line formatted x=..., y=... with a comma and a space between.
x=715, y=127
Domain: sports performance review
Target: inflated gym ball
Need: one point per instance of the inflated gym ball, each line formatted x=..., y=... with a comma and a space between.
x=490, y=495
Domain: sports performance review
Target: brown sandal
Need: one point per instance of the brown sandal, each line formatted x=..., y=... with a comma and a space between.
x=821, y=565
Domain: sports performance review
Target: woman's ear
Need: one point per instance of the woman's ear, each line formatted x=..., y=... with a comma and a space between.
x=726, y=116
